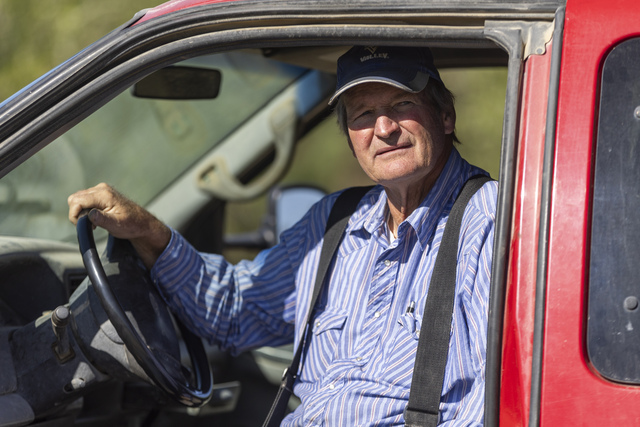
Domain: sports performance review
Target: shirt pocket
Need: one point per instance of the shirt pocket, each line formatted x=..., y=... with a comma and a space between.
x=326, y=331
x=405, y=340
x=329, y=320
x=410, y=324
x=401, y=353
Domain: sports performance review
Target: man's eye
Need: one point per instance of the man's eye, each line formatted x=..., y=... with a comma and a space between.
x=402, y=104
x=360, y=115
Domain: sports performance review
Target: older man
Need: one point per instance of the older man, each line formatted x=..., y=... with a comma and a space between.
x=399, y=120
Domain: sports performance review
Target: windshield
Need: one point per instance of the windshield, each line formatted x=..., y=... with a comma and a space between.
x=137, y=145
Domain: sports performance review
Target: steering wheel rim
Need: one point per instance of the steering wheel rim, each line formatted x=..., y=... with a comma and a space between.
x=192, y=395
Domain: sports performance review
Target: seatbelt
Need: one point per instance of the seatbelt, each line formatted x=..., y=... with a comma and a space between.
x=426, y=386
x=433, y=343
x=341, y=211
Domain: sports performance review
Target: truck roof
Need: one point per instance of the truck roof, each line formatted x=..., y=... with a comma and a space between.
x=361, y=6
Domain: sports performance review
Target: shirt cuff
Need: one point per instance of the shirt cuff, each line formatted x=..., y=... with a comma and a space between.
x=168, y=269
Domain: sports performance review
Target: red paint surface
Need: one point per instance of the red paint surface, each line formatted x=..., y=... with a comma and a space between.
x=572, y=393
x=174, y=6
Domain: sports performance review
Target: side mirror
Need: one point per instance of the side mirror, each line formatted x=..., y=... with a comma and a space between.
x=287, y=205
x=290, y=204
x=179, y=83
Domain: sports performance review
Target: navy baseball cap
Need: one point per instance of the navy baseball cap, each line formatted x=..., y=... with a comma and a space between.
x=407, y=68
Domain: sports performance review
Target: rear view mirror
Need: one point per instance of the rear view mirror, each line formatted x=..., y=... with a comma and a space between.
x=179, y=83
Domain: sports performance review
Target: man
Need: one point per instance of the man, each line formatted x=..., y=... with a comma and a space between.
x=399, y=120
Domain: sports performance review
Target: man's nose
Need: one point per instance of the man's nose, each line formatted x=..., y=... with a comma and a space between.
x=386, y=126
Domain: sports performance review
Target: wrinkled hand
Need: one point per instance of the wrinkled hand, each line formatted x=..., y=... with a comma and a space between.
x=123, y=219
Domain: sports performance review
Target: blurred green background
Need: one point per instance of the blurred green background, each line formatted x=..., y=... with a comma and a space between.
x=37, y=35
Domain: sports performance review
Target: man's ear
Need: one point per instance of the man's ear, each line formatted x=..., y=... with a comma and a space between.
x=449, y=121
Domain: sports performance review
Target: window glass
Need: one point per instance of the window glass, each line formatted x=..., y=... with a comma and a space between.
x=613, y=337
x=137, y=145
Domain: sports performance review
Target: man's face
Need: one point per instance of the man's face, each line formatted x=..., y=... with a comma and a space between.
x=398, y=137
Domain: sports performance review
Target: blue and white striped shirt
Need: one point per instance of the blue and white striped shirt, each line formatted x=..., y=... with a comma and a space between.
x=359, y=363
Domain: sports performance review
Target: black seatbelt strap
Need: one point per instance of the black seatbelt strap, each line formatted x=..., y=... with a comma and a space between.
x=433, y=345
x=341, y=211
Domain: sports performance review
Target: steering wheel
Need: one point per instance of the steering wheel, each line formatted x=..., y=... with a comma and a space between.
x=174, y=382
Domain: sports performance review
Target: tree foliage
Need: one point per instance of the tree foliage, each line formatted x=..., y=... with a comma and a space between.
x=37, y=35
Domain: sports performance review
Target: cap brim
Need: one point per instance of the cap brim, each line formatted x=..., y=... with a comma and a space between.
x=415, y=86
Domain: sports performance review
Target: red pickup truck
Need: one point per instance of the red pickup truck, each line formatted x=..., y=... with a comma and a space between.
x=196, y=105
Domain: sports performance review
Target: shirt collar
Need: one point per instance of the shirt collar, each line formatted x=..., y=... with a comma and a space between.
x=425, y=218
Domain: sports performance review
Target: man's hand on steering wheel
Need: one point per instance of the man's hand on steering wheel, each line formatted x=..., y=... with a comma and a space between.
x=123, y=219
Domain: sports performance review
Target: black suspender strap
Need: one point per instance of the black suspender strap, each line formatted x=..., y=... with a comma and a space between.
x=433, y=345
x=341, y=211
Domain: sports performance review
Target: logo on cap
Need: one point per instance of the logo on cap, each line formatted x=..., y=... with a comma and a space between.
x=374, y=55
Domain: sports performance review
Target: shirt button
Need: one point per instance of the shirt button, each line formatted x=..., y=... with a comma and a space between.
x=359, y=359
x=331, y=386
x=376, y=314
x=387, y=262
x=318, y=324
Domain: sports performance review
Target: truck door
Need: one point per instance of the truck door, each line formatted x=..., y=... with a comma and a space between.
x=586, y=338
